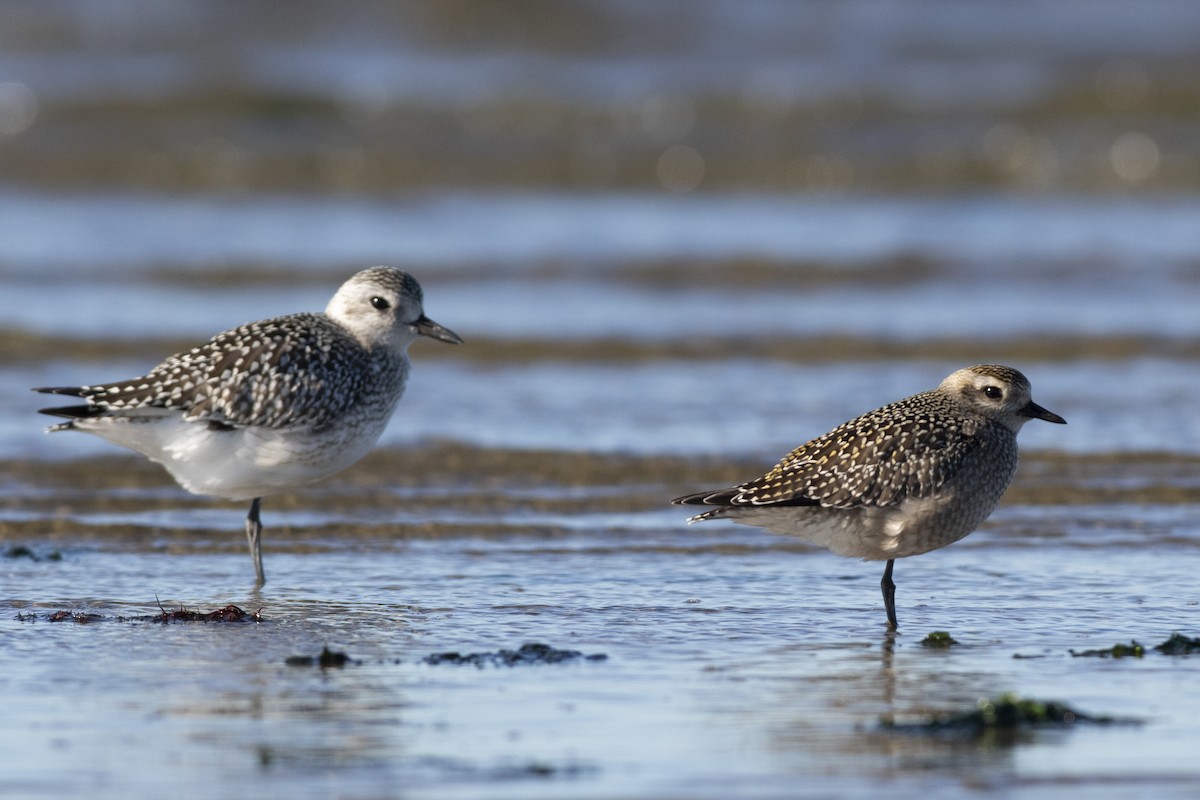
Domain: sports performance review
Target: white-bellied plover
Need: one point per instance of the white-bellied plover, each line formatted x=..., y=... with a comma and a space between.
x=907, y=478
x=272, y=405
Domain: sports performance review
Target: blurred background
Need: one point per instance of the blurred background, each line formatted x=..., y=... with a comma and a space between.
x=679, y=237
x=706, y=211
x=598, y=96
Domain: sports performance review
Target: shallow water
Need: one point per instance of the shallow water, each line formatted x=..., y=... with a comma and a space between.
x=736, y=662
x=678, y=239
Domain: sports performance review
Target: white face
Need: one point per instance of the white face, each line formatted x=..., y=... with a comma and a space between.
x=380, y=305
x=999, y=393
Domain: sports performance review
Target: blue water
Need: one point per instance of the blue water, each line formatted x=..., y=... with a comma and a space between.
x=657, y=221
x=726, y=672
x=737, y=407
x=514, y=233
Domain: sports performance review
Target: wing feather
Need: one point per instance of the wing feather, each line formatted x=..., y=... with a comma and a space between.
x=301, y=369
x=906, y=450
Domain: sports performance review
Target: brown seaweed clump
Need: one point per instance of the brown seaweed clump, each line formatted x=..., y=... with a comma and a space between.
x=78, y=617
x=229, y=613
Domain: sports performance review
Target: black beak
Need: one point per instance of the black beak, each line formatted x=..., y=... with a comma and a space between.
x=1037, y=412
x=427, y=327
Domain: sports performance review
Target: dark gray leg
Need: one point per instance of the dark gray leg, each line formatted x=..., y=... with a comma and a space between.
x=889, y=594
x=254, y=535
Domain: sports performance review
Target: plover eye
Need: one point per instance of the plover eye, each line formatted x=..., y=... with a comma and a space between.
x=380, y=303
x=994, y=392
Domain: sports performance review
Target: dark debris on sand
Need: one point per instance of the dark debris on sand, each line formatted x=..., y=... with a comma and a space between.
x=230, y=613
x=527, y=654
x=939, y=639
x=1116, y=651
x=1178, y=644
x=72, y=617
x=78, y=617
x=21, y=551
x=326, y=660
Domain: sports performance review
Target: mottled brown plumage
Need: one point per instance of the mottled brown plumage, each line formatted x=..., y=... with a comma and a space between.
x=910, y=477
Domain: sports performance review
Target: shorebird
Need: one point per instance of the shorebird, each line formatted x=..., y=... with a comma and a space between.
x=907, y=478
x=273, y=405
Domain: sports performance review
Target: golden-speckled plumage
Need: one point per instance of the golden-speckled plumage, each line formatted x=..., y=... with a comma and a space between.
x=909, y=449
x=910, y=477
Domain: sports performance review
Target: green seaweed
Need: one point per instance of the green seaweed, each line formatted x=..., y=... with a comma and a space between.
x=941, y=639
x=1133, y=649
x=1006, y=713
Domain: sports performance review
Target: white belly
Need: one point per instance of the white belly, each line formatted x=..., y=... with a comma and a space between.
x=239, y=463
x=876, y=534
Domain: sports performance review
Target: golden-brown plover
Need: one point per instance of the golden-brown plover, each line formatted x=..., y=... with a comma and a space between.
x=272, y=405
x=907, y=478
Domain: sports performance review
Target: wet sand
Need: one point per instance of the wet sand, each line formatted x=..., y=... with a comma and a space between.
x=21, y=346
x=678, y=238
x=735, y=661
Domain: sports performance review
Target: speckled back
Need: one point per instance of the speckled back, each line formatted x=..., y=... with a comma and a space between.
x=912, y=448
x=296, y=370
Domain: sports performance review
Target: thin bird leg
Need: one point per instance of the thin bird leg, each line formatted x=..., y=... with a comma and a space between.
x=254, y=535
x=889, y=594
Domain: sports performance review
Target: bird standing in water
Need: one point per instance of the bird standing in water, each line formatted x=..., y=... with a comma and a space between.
x=907, y=478
x=269, y=406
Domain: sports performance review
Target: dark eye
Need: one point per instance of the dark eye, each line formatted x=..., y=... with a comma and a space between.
x=380, y=303
x=994, y=392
